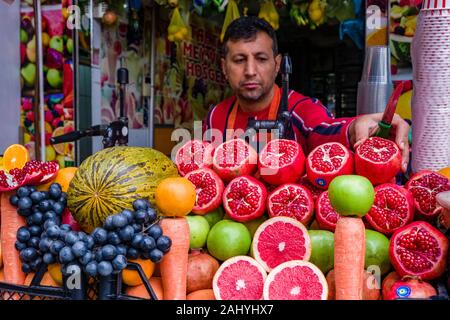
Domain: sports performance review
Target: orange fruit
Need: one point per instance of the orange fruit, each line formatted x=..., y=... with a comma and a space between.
x=55, y=272
x=60, y=146
x=445, y=172
x=204, y=294
x=63, y=177
x=132, y=278
x=47, y=280
x=15, y=156
x=2, y=275
x=1, y=259
x=141, y=291
x=175, y=196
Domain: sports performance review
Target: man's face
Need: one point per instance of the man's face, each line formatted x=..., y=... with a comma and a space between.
x=250, y=67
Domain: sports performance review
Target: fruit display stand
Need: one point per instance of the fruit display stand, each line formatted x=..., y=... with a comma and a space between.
x=37, y=291
x=102, y=288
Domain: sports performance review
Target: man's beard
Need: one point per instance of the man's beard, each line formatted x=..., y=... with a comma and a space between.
x=254, y=96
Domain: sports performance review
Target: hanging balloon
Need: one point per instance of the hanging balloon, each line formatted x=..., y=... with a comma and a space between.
x=172, y=3
x=109, y=18
x=231, y=15
x=177, y=30
x=270, y=14
x=221, y=4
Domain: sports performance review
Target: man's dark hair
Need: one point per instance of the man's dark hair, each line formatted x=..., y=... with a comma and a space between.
x=246, y=27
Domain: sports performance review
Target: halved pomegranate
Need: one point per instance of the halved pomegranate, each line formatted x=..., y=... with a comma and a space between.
x=315, y=191
x=326, y=216
x=392, y=208
x=424, y=186
x=419, y=249
x=50, y=171
x=209, y=188
x=234, y=158
x=291, y=200
x=244, y=199
x=33, y=172
x=193, y=155
x=328, y=161
x=378, y=159
x=281, y=161
x=12, y=180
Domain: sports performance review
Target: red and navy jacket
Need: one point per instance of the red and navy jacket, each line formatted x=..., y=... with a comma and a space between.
x=313, y=124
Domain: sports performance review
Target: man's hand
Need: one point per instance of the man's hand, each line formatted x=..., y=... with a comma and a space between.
x=366, y=125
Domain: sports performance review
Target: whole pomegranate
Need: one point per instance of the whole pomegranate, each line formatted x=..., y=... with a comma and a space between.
x=201, y=269
x=410, y=288
x=387, y=283
x=378, y=159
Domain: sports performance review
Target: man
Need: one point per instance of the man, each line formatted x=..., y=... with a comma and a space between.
x=250, y=63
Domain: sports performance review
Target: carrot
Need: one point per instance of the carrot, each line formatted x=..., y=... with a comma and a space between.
x=1, y=257
x=174, y=264
x=349, y=252
x=204, y=294
x=11, y=222
x=141, y=292
x=369, y=293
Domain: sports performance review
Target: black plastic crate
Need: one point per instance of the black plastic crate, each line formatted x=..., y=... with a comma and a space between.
x=35, y=291
x=111, y=287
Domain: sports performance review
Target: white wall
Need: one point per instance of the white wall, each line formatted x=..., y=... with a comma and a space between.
x=9, y=74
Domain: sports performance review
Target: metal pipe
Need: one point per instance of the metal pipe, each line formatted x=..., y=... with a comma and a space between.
x=76, y=85
x=151, y=109
x=39, y=123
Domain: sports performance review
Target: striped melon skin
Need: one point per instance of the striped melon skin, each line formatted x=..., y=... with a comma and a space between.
x=110, y=180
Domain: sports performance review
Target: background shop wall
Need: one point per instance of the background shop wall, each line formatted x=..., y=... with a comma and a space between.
x=9, y=80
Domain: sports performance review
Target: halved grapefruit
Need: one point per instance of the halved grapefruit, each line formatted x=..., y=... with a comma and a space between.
x=239, y=278
x=296, y=280
x=281, y=239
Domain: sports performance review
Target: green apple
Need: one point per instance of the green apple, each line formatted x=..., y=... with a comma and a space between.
x=228, y=239
x=351, y=195
x=69, y=45
x=29, y=74
x=54, y=78
x=253, y=225
x=198, y=231
x=214, y=216
x=57, y=43
x=377, y=251
x=322, y=249
x=23, y=36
